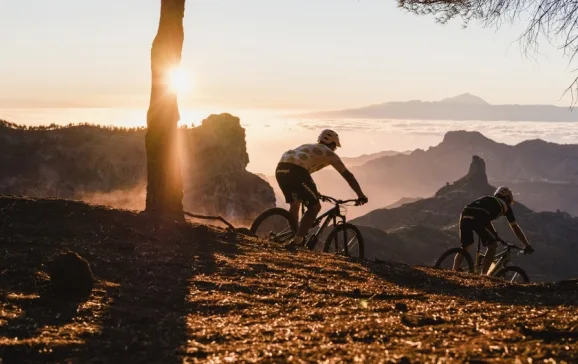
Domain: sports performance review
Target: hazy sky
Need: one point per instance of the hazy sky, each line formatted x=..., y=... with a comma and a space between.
x=265, y=53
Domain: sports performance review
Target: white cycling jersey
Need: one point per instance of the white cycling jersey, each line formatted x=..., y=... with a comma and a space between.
x=313, y=157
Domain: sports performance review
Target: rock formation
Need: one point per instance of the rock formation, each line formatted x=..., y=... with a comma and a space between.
x=108, y=166
x=70, y=275
x=216, y=155
x=475, y=181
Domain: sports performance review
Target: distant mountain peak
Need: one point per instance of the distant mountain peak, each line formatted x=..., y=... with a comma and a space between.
x=465, y=137
x=465, y=99
x=475, y=181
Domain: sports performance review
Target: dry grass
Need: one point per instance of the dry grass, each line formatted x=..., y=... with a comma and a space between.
x=169, y=293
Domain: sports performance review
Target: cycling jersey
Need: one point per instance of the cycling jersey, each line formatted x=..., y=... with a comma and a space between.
x=493, y=207
x=313, y=157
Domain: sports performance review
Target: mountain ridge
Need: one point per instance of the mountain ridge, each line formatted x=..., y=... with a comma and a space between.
x=108, y=165
x=545, y=173
x=464, y=107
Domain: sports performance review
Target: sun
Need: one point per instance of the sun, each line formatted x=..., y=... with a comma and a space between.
x=179, y=81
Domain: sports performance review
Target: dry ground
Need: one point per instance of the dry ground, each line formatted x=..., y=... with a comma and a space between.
x=183, y=293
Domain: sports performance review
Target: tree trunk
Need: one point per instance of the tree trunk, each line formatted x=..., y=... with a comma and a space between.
x=164, y=176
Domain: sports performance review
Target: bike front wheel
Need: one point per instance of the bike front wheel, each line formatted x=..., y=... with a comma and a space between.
x=513, y=274
x=276, y=224
x=446, y=260
x=345, y=239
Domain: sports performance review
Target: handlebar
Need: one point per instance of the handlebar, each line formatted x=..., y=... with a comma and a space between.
x=512, y=246
x=336, y=201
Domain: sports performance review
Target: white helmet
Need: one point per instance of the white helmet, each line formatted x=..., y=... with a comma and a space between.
x=505, y=193
x=328, y=136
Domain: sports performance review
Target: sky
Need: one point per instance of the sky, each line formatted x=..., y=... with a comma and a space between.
x=297, y=54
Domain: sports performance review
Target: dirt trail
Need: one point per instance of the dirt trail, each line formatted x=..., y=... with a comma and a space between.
x=170, y=293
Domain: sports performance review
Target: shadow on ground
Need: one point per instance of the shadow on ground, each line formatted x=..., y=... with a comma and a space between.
x=137, y=310
x=472, y=287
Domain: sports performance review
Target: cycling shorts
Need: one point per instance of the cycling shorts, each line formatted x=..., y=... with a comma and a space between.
x=296, y=184
x=476, y=221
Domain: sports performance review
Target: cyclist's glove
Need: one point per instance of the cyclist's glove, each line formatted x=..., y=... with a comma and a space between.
x=529, y=250
x=362, y=200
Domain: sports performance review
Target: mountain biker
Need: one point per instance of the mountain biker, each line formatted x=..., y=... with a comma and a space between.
x=293, y=175
x=478, y=215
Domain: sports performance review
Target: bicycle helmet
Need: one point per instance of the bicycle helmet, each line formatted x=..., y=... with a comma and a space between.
x=505, y=194
x=328, y=136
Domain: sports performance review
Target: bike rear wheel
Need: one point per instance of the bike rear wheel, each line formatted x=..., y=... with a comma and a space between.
x=446, y=260
x=513, y=274
x=276, y=224
x=345, y=239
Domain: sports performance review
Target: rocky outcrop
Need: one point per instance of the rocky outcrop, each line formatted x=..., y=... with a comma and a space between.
x=108, y=166
x=417, y=233
x=215, y=159
x=475, y=181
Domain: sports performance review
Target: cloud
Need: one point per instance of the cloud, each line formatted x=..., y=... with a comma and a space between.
x=510, y=132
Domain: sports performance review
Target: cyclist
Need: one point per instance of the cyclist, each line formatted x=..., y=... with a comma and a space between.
x=293, y=175
x=478, y=215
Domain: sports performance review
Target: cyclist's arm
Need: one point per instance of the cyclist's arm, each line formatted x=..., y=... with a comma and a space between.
x=516, y=228
x=350, y=178
x=336, y=162
x=520, y=234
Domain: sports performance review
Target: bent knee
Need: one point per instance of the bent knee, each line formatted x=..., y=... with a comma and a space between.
x=316, y=207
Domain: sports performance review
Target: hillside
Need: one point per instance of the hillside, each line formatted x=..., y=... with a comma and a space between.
x=364, y=158
x=402, y=201
x=545, y=174
x=461, y=107
x=108, y=166
x=418, y=232
x=168, y=293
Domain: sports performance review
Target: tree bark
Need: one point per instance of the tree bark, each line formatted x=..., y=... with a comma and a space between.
x=164, y=175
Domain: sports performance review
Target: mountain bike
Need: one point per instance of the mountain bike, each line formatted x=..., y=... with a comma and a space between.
x=278, y=225
x=499, y=267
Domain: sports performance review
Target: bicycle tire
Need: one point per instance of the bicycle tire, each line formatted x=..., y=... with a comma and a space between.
x=452, y=251
x=511, y=268
x=272, y=212
x=341, y=227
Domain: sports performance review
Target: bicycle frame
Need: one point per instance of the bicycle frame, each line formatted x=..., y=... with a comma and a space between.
x=500, y=259
x=332, y=214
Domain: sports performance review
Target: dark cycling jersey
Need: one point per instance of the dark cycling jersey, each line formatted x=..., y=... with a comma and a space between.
x=493, y=207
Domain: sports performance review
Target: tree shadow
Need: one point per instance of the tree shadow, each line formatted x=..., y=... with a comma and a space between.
x=146, y=321
x=138, y=308
x=473, y=287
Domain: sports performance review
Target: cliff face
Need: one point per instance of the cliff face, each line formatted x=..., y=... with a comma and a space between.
x=108, y=166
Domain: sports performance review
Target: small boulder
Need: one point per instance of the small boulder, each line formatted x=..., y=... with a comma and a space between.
x=70, y=275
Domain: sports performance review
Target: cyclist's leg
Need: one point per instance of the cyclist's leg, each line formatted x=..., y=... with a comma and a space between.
x=489, y=239
x=310, y=198
x=287, y=181
x=466, y=237
x=294, y=209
